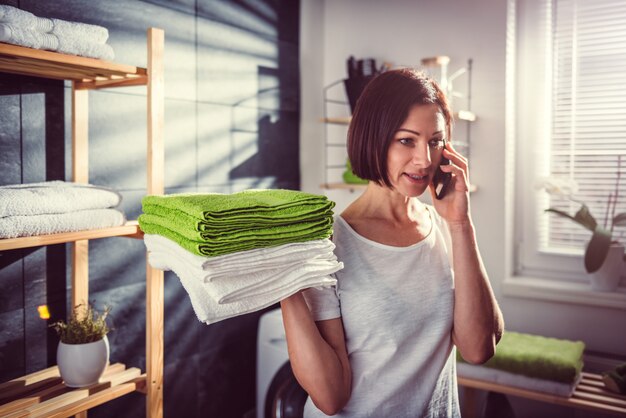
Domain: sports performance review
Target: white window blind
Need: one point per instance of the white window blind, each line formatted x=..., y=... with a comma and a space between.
x=587, y=115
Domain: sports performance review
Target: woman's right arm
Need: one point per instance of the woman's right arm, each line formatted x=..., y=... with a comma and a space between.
x=318, y=355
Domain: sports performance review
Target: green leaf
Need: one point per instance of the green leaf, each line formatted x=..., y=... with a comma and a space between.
x=582, y=217
x=597, y=249
x=620, y=220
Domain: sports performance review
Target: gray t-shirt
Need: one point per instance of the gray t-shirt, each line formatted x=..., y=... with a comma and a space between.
x=397, y=306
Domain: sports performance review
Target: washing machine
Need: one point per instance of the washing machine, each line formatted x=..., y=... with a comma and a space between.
x=278, y=394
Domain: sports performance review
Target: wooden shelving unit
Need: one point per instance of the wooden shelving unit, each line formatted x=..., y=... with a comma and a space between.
x=43, y=393
x=590, y=394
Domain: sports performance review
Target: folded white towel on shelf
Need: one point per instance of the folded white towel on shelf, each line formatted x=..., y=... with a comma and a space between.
x=25, y=20
x=76, y=46
x=16, y=35
x=505, y=378
x=252, y=282
x=209, y=311
x=76, y=38
x=80, y=31
x=260, y=258
x=54, y=197
x=26, y=226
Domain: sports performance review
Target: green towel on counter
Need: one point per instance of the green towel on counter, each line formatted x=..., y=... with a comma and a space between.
x=187, y=226
x=539, y=357
x=267, y=204
x=212, y=248
x=350, y=178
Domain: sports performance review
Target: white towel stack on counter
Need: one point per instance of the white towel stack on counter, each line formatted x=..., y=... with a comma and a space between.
x=225, y=286
x=23, y=28
x=56, y=206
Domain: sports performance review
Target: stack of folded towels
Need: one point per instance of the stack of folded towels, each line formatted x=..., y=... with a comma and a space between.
x=531, y=362
x=239, y=253
x=56, y=206
x=23, y=28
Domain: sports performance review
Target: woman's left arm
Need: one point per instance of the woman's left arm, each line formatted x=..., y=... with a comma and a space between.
x=478, y=322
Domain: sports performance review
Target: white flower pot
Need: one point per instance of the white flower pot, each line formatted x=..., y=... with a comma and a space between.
x=608, y=276
x=83, y=364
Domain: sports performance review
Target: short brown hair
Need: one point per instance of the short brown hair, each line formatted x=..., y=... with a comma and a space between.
x=381, y=109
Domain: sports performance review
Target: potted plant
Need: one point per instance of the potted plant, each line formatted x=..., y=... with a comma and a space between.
x=604, y=255
x=83, y=352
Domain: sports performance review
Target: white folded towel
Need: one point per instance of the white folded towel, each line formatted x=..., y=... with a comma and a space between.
x=209, y=311
x=16, y=35
x=259, y=258
x=505, y=378
x=25, y=226
x=25, y=29
x=25, y=20
x=76, y=46
x=79, y=31
x=61, y=28
x=252, y=282
x=54, y=197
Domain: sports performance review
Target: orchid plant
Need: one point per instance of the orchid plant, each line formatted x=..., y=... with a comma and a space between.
x=602, y=235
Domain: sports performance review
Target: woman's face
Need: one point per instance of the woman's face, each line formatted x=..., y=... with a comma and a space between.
x=416, y=149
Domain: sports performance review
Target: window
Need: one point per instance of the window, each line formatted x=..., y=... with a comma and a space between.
x=571, y=123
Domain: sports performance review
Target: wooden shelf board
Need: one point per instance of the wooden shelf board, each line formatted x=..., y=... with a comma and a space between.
x=466, y=115
x=436, y=61
x=587, y=395
x=90, y=72
x=130, y=229
x=44, y=394
x=338, y=121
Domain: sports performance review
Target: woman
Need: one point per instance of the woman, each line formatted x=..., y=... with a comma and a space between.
x=382, y=343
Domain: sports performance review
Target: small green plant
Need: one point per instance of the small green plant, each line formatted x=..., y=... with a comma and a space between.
x=86, y=325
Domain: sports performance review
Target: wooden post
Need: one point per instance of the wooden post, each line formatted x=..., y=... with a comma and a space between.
x=80, y=174
x=154, y=278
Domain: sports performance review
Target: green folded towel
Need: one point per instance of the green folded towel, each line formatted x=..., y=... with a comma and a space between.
x=539, y=357
x=350, y=178
x=212, y=248
x=262, y=204
x=227, y=225
x=188, y=227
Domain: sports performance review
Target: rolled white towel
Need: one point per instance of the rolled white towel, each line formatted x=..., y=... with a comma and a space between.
x=79, y=31
x=16, y=35
x=27, y=226
x=24, y=19
x=77, y=46
x=54, y=197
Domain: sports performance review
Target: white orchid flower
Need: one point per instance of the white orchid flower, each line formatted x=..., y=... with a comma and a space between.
x=557, y=186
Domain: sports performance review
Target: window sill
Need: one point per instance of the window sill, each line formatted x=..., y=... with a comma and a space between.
x=558, y=291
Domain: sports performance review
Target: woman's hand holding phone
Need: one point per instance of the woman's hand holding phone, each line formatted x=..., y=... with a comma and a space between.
x=450, y=187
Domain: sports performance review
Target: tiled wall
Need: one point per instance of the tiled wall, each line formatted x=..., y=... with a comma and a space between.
x=231, y=122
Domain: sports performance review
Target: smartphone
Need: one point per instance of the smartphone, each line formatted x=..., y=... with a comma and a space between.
x=441, y=180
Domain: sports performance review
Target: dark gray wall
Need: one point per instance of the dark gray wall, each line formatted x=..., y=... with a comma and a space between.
x=231, y=115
